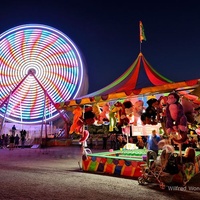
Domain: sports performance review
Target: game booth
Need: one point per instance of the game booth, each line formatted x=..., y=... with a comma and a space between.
x=124, y=163
x=136, y=93
x=129, y=161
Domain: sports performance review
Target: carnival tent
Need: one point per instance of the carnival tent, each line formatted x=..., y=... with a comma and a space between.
x=140, y=79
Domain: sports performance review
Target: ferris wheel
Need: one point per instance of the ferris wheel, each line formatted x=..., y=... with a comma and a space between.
x=39, y=66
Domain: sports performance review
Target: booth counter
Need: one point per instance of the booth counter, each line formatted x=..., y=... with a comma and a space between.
x=125, y=163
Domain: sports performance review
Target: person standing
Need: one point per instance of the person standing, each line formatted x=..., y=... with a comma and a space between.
x=113, y=141
x=105, y=138
x=24, y=132
x=1, y=142
x=17, y=141
x=152, y=142
x=140, y=143
x=13, y=130
x=96, y=142
x=5, y=140
x=23, y=135
x=12, y=141
x=90, y=142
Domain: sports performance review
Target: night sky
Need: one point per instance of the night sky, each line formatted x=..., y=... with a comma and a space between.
x=107, y=33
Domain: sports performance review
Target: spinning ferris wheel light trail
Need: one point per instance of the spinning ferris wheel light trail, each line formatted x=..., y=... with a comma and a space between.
x=36, y=60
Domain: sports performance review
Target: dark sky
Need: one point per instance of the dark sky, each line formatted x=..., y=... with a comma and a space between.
x=107, y=33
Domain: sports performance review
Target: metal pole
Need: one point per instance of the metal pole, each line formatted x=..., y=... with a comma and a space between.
x=64, y=118
x=44, y=107
x=5, y=111
x=6, y=99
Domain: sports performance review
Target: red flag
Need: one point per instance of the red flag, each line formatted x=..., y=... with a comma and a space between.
x=142, y=35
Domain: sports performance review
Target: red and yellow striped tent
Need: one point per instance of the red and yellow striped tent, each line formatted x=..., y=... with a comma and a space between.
x=140, y=79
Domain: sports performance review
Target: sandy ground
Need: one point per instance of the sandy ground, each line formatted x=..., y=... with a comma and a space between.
x=54, y=173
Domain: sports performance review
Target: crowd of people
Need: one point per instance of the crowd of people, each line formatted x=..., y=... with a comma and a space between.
x=117, y=141
x=13, y=140
x=114, y=141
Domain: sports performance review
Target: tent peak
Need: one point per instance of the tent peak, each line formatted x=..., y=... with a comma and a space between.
x=140, y=54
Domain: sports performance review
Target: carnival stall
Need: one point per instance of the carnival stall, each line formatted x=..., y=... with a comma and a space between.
x=126, y=163
x=136, y=101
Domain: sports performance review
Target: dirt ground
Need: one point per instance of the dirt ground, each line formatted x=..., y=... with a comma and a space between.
x=54, y=173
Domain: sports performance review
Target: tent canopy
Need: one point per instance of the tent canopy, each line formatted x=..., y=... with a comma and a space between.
x=140, y=79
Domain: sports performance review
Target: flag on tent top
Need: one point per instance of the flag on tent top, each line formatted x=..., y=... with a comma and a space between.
x=142, y=35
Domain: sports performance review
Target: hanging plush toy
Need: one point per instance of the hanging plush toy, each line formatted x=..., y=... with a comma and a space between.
x=162, y=107
x=162, y=111
x=89, y=116
x=122, y=119
x=113, y=118
x=116, y=110
x=188, y=108
x=150, y=115
x=197, y=115
x=103, y=117
x=128, y=106
x=77, y=121
x=176, y=120
x=137, y=111
x=97, y=111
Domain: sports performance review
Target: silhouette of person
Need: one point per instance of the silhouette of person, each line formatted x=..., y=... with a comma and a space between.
x=13, y=130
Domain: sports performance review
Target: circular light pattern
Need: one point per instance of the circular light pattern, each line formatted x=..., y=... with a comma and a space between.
x=39, y=66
